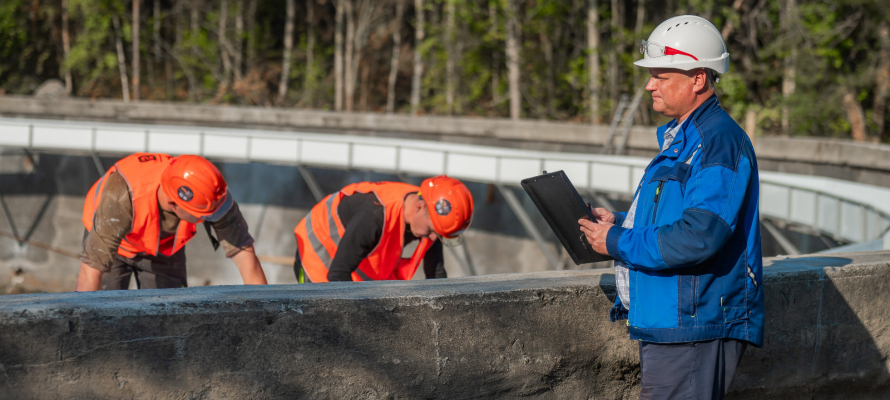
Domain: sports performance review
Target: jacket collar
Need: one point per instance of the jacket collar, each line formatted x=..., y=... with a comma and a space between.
x=706, y=109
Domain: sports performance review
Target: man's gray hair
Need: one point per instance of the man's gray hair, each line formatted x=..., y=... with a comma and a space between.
x=712, y=78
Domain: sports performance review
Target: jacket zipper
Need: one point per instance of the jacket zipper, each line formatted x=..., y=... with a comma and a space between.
x=657, y=195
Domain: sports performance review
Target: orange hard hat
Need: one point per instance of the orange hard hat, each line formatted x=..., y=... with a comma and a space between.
x=449, y=203
x=194, y=184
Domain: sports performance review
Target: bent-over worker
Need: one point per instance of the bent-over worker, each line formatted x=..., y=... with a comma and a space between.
x=359, y=232
x=141, y=213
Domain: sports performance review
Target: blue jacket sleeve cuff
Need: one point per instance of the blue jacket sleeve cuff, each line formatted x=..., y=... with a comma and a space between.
x=619, y=218
x=612, y=241
x=617, y=312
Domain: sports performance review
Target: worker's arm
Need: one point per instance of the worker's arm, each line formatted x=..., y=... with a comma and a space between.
x=249, y=266
x=714, y=198
x=361, y=236
x=112, y=221
x=234, y=238
x=89, y=279
x=434, y=262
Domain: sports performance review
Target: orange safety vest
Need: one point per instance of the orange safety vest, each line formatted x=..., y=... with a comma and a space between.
x=319, y=233
x=142, y=171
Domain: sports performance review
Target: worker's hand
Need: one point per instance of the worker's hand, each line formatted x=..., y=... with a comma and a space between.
x=603, y=215
x=596, y=234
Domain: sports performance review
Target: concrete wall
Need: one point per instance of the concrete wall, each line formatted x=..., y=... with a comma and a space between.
x=541, y=335
x=862, y=162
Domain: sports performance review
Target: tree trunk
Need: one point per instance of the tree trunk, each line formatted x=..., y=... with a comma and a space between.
x=121, y=60
x=338, y=57
x=418, y=58
x=194, y=18
x=66, y=46
x=643, y=112
x=177, y=25
x=135, y=50
x=350, y=63
x=617, y=48
x=855, y=116
x=495, y=57
x=638, y=35
x=512, y=50
x=196, y=6
x=729, y=27
x=156, y=15
x=396, y=53
x=177, y=51
x=224, y=47
x=593, y=60
x=789, y=25
x=450, y=56
x=288, y=49
x=365, y=86
x=362, y=16
x=239, y=39
x=882, y=80
x=309, y=80
x=251, y=39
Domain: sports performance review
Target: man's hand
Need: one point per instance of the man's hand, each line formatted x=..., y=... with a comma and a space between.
x=603, y=215
x=596, y=233
x=249, y=266
x=89, y=279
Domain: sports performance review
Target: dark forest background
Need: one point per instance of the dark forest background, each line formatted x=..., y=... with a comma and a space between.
x=798, y=67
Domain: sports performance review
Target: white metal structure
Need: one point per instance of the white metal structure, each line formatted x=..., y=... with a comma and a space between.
x=844, y=210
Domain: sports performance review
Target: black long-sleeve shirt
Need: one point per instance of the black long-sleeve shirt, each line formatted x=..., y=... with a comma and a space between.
x=363, y=218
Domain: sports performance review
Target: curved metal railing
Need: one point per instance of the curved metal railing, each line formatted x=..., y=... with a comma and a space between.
x=847, y=211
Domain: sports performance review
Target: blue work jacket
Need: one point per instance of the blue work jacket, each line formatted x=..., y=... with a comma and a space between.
x=693, y=254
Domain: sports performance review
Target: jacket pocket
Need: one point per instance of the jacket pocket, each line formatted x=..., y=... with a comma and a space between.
x=670, y=178
x=678, y=172
x=731, y=314
x=686, y=300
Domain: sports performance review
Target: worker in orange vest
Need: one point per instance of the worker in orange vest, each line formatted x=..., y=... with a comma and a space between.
x=358, y=233
x=140, y=214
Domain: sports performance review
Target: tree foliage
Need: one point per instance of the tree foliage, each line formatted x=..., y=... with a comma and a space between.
x=833, y=51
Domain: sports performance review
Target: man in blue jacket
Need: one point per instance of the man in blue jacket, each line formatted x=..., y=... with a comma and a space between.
x=688, y=262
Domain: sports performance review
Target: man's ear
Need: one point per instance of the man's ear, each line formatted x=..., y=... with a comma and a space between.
x=700, y=81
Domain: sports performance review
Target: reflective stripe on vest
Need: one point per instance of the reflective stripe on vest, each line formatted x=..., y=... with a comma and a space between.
x=319, y=233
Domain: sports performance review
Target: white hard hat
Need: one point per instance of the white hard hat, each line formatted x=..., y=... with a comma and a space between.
x=685, y=42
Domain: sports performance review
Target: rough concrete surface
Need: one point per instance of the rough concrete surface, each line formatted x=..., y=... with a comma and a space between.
x=539, y=335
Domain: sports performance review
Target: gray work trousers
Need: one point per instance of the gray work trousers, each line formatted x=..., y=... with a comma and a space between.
x=689, y=371
x=151, y=272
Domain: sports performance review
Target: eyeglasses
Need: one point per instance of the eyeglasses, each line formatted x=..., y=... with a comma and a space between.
x=657, y=50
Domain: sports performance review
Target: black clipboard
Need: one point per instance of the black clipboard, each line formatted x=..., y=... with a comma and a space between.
x=562, y=207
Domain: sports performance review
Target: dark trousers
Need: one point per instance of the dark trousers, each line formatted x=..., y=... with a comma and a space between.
x=693, y=371
x=151, y=272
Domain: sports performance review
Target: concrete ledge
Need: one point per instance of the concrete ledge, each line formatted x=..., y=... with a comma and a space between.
x=542, y=335
x=498, y=130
